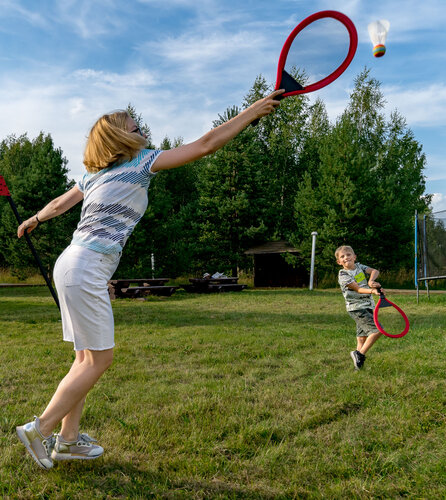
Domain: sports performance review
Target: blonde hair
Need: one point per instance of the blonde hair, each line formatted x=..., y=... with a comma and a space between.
x=343, y=247
x=109, y=141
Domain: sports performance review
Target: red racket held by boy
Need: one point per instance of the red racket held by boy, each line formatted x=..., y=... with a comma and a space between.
x=316, y=53
x=389, y=318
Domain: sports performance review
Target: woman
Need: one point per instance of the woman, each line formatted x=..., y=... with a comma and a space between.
x=114, y=194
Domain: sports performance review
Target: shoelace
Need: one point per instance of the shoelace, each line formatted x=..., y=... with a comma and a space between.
x=49, y=444
x=85, y=439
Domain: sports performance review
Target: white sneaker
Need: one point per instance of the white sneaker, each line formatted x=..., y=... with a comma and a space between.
x=81, y=449
x=39, y=446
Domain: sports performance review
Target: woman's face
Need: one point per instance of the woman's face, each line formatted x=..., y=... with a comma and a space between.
x=132, y=127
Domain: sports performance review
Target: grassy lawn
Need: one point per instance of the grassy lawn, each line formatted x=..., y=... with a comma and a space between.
x=236, y=395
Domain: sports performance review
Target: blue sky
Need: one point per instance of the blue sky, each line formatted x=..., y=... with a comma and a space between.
x=181, y=62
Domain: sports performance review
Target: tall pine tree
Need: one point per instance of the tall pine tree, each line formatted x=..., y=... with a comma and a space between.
x=366, y=187
x=35, y=172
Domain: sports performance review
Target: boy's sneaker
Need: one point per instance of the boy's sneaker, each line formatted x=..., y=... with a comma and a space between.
x=358, y=359
x=82, y=449
x=39, y=446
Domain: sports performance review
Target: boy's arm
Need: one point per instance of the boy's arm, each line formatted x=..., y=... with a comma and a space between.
x=374, y=273
x=354, y=286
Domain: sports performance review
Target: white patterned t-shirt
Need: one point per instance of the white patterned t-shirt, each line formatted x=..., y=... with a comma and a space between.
x=115, y=199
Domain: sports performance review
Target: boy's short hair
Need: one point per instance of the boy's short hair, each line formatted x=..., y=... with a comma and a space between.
x=343, y=247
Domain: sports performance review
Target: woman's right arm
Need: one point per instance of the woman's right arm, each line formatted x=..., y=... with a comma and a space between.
x=217, y=137
x=54, y=208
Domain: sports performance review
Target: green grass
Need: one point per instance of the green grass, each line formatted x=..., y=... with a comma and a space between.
x=32, y=277
x=237, y=395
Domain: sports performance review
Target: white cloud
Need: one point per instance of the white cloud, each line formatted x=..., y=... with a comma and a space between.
x=436, y=167
x=169, y=4
x=408, y=18
x=90, y=18
x=138, y=78
x=213, y=55
x=209, y=49
x=438, y=202
x=13, y=8
x=422, y=106
x=183, y=76
x=67, y=104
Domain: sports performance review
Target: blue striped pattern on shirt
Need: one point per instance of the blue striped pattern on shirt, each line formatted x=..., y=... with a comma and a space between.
x=115, y=199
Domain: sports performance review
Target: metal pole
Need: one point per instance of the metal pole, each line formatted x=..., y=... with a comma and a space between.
x=417, y=286
x=416, y=249
x=426, y=269
x=313, y=253
x=152, y=260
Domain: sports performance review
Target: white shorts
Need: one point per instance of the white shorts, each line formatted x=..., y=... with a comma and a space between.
x=81, y=276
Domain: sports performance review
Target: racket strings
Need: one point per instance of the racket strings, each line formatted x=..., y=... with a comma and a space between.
x=391, y=320
x=318, y=50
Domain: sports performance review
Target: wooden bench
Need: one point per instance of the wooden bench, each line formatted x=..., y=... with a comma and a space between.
x=121, y=288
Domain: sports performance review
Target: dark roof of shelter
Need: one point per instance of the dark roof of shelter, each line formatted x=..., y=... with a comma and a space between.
x=272, y=247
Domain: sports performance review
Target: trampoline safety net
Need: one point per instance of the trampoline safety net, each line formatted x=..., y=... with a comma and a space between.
x=430, y=252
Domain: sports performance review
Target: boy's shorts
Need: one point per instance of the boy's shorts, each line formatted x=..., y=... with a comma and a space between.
x=365, y=325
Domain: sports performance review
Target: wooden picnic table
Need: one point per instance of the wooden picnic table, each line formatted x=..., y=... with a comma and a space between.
x=120, y=288
x=210, y=285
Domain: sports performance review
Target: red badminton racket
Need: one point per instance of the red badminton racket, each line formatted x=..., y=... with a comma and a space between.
x=389, y=318
x=320, y=48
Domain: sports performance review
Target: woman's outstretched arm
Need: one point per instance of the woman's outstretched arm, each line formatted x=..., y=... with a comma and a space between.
x=54, y=208
x=217, y=137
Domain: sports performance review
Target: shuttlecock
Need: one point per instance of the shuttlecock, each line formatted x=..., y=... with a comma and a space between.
x=378, y=33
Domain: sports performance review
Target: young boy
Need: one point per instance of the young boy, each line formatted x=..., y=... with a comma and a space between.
x=358, y=298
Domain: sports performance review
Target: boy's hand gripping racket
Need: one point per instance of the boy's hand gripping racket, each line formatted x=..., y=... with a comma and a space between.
x=321, y=47
x=389, y=318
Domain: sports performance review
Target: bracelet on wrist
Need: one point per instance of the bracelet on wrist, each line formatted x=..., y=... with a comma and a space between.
x=37, y=218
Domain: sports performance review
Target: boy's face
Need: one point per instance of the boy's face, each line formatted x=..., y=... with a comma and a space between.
x=346, y=259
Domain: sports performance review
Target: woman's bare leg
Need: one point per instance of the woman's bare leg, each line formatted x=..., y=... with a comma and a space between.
x=70, y=423
x=72, y=391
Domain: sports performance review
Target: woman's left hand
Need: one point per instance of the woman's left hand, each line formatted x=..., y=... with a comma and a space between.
x=28, y=225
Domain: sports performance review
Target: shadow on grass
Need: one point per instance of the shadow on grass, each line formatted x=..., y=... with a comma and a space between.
x=125, y=480
x=237, y=320
x=132, y=313
x=164, y=311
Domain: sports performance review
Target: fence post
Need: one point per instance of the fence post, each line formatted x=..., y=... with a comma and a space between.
x=416, y=256
x=313, y=253
x=152, y=262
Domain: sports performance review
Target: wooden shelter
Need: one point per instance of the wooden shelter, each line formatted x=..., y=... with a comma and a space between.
x=271, y=268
